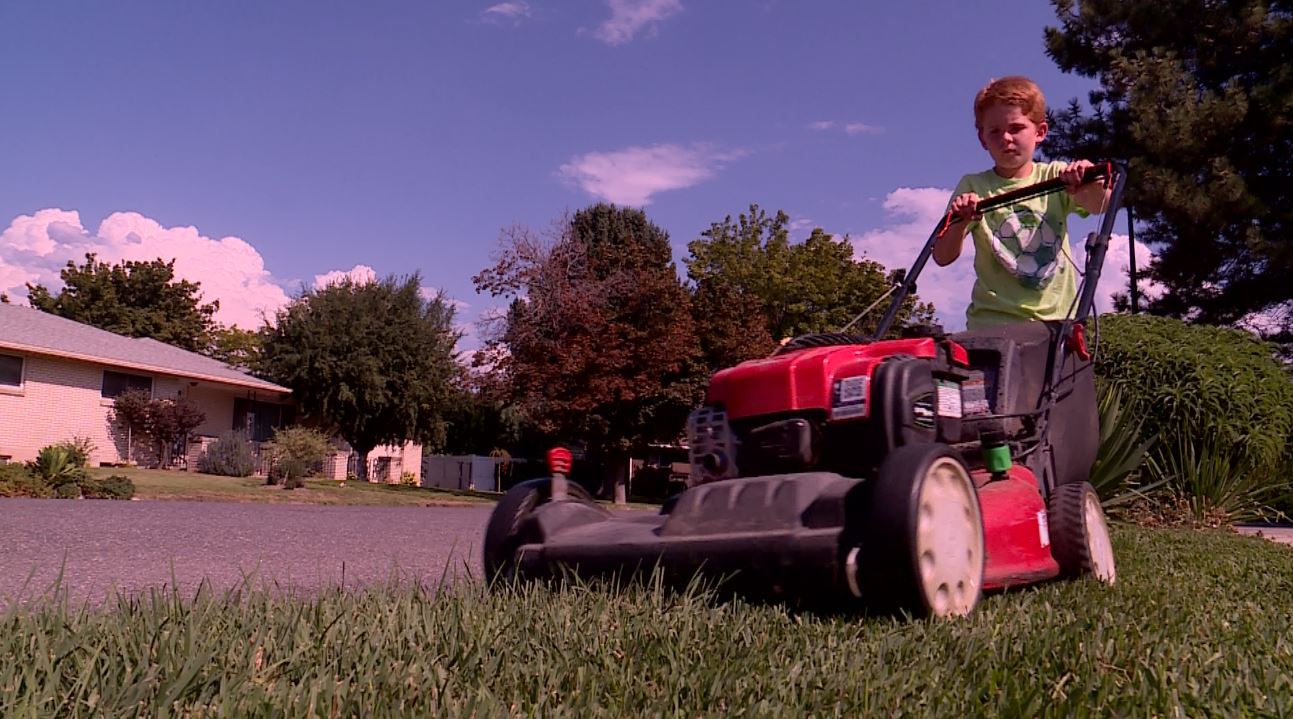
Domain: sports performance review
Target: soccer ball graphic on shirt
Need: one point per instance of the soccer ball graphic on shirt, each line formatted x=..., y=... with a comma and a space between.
x=1027, y=246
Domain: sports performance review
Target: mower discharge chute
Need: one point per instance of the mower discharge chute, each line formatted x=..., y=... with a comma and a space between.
x=892, y=474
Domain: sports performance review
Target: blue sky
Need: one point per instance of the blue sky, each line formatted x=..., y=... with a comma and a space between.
x=266, y=145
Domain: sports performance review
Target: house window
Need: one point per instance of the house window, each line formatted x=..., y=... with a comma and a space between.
x=10, y=371
x=260, y=419
x=115, y=383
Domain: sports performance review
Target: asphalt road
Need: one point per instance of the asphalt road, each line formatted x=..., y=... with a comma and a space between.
x=102, y=546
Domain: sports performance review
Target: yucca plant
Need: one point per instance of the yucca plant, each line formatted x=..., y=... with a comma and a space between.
x=1212, y=477
x=58, y=465
x=1122, y=450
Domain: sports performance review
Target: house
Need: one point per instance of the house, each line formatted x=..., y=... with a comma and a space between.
x=58, y=379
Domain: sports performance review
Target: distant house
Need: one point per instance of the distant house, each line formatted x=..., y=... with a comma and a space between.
x=58, y=379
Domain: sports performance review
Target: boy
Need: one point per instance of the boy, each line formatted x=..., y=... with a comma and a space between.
x=1022, y=260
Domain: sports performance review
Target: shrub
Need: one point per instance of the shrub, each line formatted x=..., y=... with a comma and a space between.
x=114, y=487
x=295, y=453
x=1184, y=378
x=57, y=465
x=231, y=455
x=17, y=481
x=408, y=479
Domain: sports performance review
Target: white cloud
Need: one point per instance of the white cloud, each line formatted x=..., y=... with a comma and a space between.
x=632, y=175
x=359, y=274
x=849, y=128
x=34, y=248
x=914, y=213
x=628, y=17
x=513, y=11
x=861, y=128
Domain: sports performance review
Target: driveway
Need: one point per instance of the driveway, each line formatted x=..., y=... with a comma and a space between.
x=99, y=546
x=1283, y=535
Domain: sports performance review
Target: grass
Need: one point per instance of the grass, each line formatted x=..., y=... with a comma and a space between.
x=170, y=484
x=1197, y=626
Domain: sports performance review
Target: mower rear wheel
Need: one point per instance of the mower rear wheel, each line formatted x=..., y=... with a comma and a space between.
x=1080, y=533
x=509, y=526
x=922, y=546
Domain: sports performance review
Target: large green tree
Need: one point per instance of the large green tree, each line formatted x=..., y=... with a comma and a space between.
x=136, y=299
x=747, y=272
x=1198, y=96
x=597, y=346
x=373, y=360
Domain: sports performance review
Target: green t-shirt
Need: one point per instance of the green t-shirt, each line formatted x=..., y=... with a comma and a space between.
x=1022, y=259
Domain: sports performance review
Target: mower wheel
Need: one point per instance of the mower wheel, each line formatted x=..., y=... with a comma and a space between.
x=509, y=528
x=1080, y=534
x=921, y=544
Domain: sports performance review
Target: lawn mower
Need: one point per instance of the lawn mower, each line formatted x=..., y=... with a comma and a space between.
x=898, y=474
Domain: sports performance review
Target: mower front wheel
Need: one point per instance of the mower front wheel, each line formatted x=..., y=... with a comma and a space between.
x=510, y=527
x=921, y=545
x=1080, y=533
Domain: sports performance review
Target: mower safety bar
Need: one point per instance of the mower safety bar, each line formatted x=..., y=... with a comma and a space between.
x=1097, y=172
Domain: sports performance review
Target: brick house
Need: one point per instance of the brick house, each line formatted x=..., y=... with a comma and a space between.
x=58, y=379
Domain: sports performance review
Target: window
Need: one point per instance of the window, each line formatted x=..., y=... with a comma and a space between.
x=260, y=419
x=10, y=371
x=115, y=383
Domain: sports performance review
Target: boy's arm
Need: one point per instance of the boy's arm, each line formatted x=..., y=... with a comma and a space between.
x=947, y=247
x=1092, y=196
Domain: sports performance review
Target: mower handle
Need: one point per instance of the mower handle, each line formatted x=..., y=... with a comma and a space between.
x=1101, y=170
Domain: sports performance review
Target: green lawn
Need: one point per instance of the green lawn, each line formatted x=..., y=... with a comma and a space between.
x=1200, y=624
x=170, y=484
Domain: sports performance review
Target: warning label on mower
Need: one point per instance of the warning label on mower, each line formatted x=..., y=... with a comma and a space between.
x=949, y=399
x=849, y=397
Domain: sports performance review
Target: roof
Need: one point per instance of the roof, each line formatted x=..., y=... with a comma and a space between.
x=29, y=330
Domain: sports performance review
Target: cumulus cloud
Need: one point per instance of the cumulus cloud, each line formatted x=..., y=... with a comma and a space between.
x=913, y=213
x=359, y=274
x=629, y=17
x=34, y=248
x=514, y=11
x=849, y=128
x=631, y=176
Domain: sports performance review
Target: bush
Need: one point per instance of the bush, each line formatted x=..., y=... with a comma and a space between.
x=114, y=487
x=1182, y=378
x=17, y=481
x=231, y=455
x=408, y=479
x=295, y=453
x=59, y=465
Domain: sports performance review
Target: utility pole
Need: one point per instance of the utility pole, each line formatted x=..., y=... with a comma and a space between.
x=1131, y=261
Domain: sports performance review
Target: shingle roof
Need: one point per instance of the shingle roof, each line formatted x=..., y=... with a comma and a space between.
x=29, y=330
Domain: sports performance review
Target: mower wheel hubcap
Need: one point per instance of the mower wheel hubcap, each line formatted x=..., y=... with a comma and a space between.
x=949, y=539
x=1098, y=545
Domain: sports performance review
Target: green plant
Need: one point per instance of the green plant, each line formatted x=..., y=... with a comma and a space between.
x=408, y=479
x=1183, y=378
x=114, y=487
x=1122, y=449
x=1214, y=479
x=80, y=449
x=57, y=465
x=17, y=481
x=230, y=455
x=294, y=453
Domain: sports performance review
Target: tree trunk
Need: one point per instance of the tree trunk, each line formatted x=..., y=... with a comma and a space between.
x=615, y=477
x=361, y=471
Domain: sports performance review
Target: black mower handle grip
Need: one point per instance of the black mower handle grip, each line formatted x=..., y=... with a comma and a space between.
x=1041, y=188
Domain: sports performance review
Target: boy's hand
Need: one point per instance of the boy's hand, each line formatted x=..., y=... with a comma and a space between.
x=965, y=207
x=1072, y=175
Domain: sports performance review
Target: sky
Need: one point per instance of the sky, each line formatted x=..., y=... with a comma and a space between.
x=269, y=147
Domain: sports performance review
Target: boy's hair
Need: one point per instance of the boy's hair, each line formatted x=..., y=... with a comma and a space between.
x=1015, y=90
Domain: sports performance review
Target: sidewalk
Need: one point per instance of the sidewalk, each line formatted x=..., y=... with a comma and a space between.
x=1283, y=535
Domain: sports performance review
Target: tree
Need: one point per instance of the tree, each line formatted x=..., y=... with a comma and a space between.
x=236, y=347
x=161, y=422
x=597, y=346
x=746, y=270
x=374, y=360
x=1196, y=96
x=136, y=299
x=294, y=453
